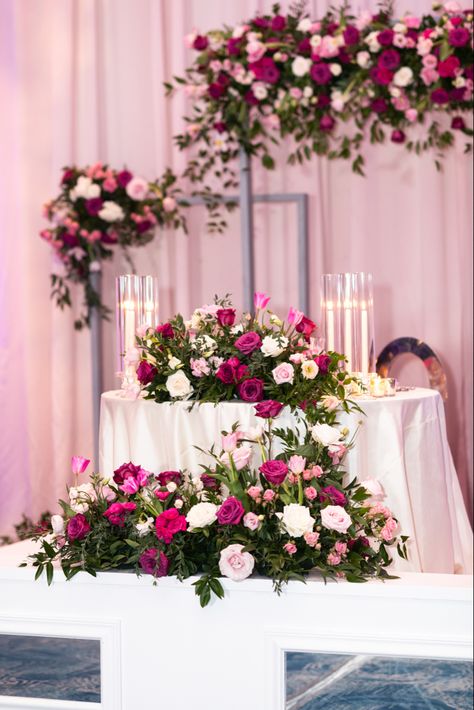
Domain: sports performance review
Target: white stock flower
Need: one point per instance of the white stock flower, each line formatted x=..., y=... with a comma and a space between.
x=57, y=523
x=201, y=515
x=300, y=66
x=205, y=344
x=174, y=363
x=81, y=496
x=178, y=385
x=145, y=527
x=84, y=188
x=272, y=347
x=403, y=77
x=326, y=435
x=297, y=520
x=111, y=212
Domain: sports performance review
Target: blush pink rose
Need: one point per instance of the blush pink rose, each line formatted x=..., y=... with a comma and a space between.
x=311, y=538
x=251, y=521
x=235, y=564
x=284, y=373
x=268, y=495
x=310, y=493
x=169, y=204
x=290, y=547
x=340, y=547
x=333, y=559
x=297, y=464
x=254, y=492
x=137, y=189
x=334, y=517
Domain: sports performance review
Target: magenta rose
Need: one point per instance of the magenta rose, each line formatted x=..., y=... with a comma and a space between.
x=168, y=524
x=397, y=136
x=154, y=562
x=274, y=471
x=126, y=470
x=448, y=67
x=226, y=316
x=231, y=371
x=251, y=390
x=68, y=174
x=231, y=512
x=278, y=23
x=169, y=477
x=320, y=73
x=146, y=372
x=327, y=123
x=233, y=46
x=389, y=59
x=124, y=177
x=385, y=37
x=351, y=35
x=250, y=98
x=269, y=408
x=379, y=105
x=458, y=37
x=381, y=75
x=215, y=91
x=440, y=96
x=458, y=123
x=200, y=43
x=248, y=342
x=93, y=206
x=265, y=70
x=332, y=495
x=78, y=527
x=323, y=362
x=209, y=482
x=166, y=331
x=306, y=326
x=117, y=512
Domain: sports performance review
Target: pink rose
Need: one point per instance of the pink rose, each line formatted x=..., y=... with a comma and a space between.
x=226, y=316
x=168, y=524
x=313, y=472
x=251, y=521
x=269, y=408
x=310, y=493
x=260, y=300
x=290, y=547
x=373, y=487
x=79, y=464
x=429, y=61
x=235, y=564
x=311, y=538
x=254, y=492
x=199, y=367
x=248, y=342
x=275, y=471
x=386, y=534
x=137, y=188
x=169, y=204
x=411, y=115
x=269, y=495
x=412, y=22
x=333, y=559
x=341, y=548
x=154, y=562
x=251, y=390
x=117, y=512
x=284, y=373
x=334, y=517
x=240, y=456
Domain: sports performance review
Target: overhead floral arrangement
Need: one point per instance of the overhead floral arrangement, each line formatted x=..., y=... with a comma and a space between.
x=215, y=357
x=294, y=514
x=97, y=210
x=327, y=84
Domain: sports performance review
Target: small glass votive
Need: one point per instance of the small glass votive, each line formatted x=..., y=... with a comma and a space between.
x=377, y=387
x=390, y=386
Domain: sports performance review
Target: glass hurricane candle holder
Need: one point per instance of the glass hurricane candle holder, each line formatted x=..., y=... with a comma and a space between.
x=149, y=301
x=363, y=291
x=332, y=288
x=128, y=317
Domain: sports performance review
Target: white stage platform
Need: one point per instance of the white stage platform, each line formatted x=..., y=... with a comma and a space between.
x=161, y=651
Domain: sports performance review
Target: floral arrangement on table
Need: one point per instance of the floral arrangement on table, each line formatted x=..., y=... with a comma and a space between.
x=99, y=208
x=326, y=83
x=296, y=513
x=215, y=357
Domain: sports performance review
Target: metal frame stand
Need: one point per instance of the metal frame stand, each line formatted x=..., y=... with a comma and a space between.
x=245, y=199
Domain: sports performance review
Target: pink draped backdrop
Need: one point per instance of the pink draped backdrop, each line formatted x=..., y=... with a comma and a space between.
x=81, y=81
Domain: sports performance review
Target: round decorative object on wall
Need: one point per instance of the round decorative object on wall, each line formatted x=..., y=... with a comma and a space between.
x=417, y=348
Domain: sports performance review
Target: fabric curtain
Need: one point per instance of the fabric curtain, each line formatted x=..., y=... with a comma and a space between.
x=81, y=81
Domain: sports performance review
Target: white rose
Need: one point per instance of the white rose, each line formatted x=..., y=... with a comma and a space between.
x=297, y=520
x=171, y=486
x=272, y=347
x=400, y=27
x=403, y=77
x=307, y=92
x=201, y=515
x=373, y=42
x=57, y=523
x=300, y=66
x=325, y=434
x=315, y=41
x=111, y=212
x=236, y=329
x=336, y=69
x=304, y=25
x=204, y=343
x=334, y=517
x=178, y=385
x=84, y=188
x=330, y=402
x=174, y=363
x=374, y=487
x=259, y=90
x=363, y=59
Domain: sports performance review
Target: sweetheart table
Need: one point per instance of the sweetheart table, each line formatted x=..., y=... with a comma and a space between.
x=401, y=442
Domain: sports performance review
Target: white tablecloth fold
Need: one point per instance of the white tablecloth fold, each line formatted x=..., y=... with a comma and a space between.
x=401, y=442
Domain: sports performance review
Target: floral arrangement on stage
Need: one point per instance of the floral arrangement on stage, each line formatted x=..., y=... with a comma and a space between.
x=98, y=209
x=215, y=357
x=326, y=84
x=294, y=514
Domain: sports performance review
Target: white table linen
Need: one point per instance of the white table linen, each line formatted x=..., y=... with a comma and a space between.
x=401, y=442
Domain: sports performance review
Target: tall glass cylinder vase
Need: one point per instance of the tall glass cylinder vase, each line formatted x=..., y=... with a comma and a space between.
x=365, y=322
x=350, y=333
x=332, y=291
x=129, y=315
x=150, y=301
